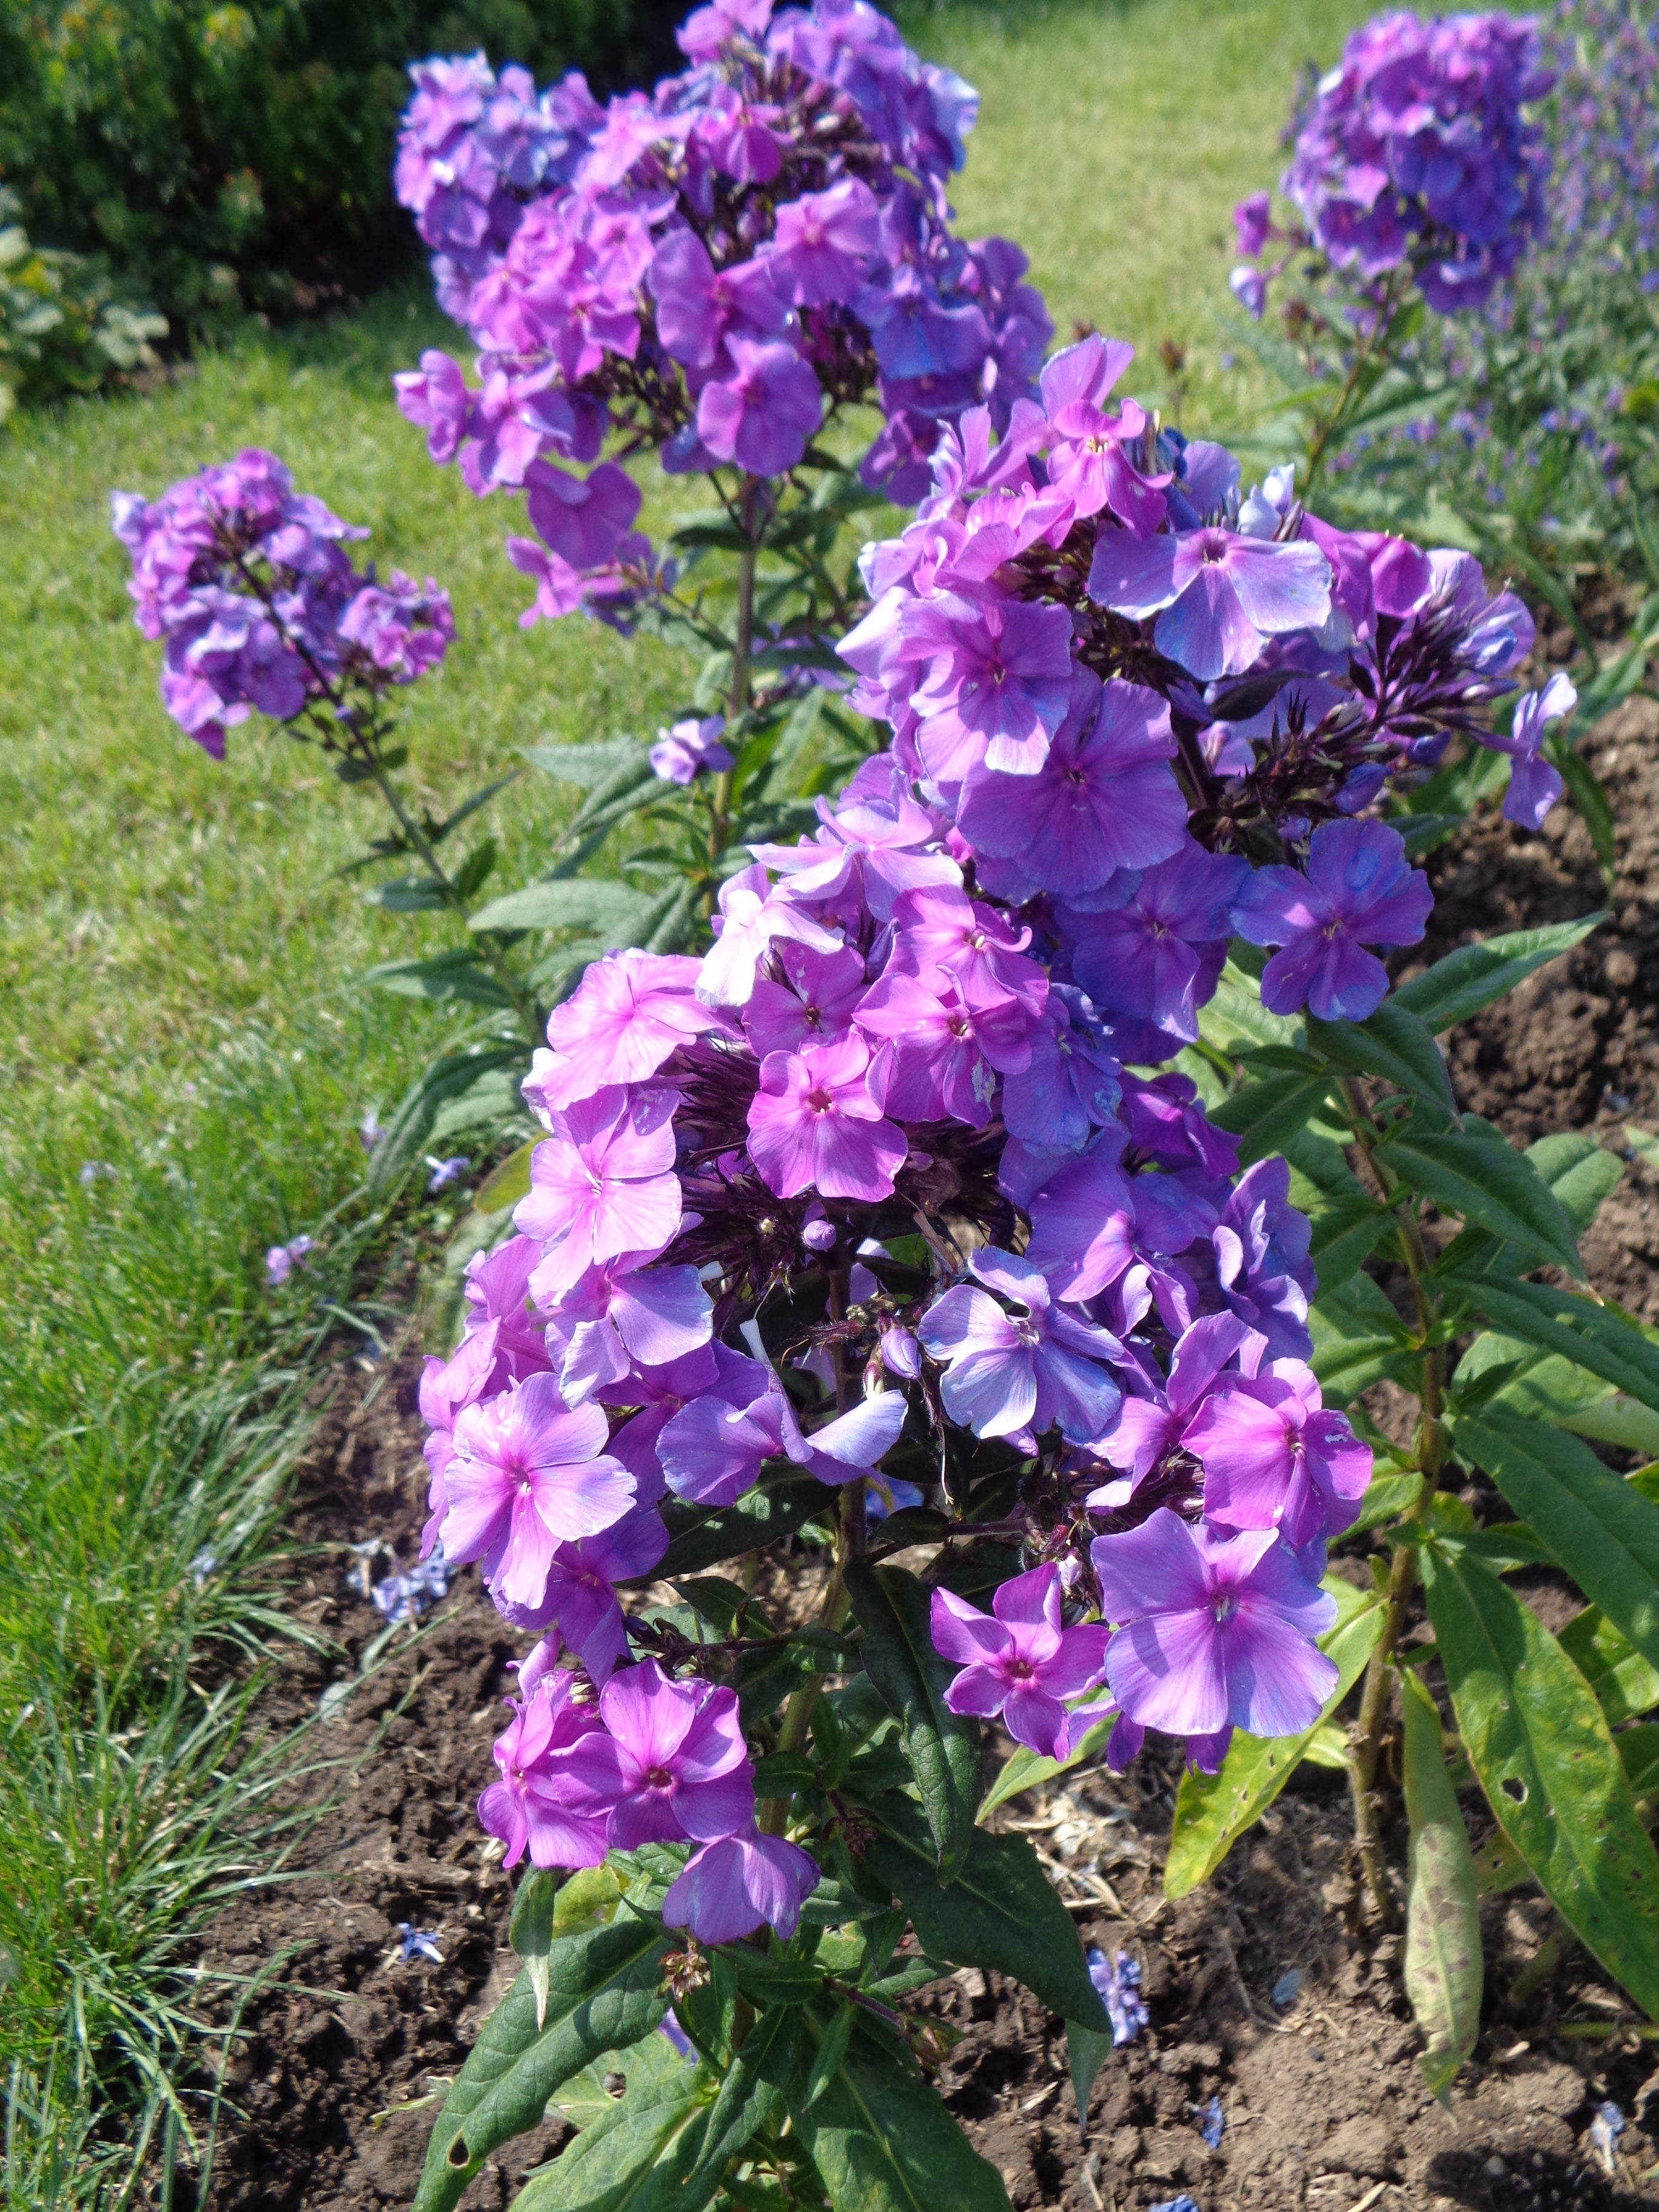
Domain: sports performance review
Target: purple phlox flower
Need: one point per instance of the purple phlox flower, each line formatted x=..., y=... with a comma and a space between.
x=1016, y=1661
x=1252, y=220
x=1083, y=1224
x=753, y=917
x=733, y=1884
x=943, y=933
x=713, y=1450
x=628, y=1014
x=687, y=749
x=1148, y=1429
x=1022, y=1373
x=817, y=1123
x=446, y=1171
x=821, y=243
x=488, y=1357
x=1073, y=1082
x=417, y=1943
x=941, y=1056
x=1249, y=288
x=580, y=1599
x=282, y=1260
x=1168, y=1122
x=528, y=1473
x=1156, y=955
x=1218, y=596
x=660, y=1392
x=669, y=1763
x=1274, y=1458
x=403, y=629
x=875, y=847
x=623, y=1315
x=763, y=413
x=1360, y=889
x=497, y=1290
x=1212, y=2122
x=812, y=1002
x=671, y=2030
x=527, y=1809
x=1535, y=786
x=583, y=520
x=603, y=1184
x=996, y=686
x=1212, y=1632
x=436, y=398
x=1262, y=1269
x=1104, y=797
x=560, y=589
x=1117, y=1981
x=697, y=304
x=1088, y=464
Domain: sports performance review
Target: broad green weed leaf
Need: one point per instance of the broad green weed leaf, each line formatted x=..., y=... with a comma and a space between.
x=1442, y=1914
x=584, y=902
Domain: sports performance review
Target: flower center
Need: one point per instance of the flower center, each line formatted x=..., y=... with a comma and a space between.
x=819, y=1102
x=659, y=1777
x=1021, y=1671
x=1223, y=1608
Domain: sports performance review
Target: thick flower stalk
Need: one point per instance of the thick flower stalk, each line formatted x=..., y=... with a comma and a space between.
x=714, y=271
x=1416, y=155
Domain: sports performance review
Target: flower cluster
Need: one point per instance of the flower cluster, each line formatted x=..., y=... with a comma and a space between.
x=703, y=271
x=1417, y=151
x=248, y=584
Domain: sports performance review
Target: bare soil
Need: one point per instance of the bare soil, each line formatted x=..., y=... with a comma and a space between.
x=346, y=2045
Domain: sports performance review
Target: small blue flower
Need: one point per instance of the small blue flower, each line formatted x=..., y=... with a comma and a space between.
x=677, y=2036
x=406, y=1596
x=1605, y=2131
x=1181, y=2203
x=1119, y=1986
x=419, y=1943
x=91, y=1170
x=444, y=1172
x=1212, y=2124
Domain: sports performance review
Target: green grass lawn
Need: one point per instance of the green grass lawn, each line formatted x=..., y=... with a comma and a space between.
x=178, y=1004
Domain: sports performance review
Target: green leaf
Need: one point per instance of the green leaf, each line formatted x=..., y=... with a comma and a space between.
x=602, y=1996
x=1087, y=2051
x=1472, y=977
x=508, y=1182
x=1393, y=1045
x=1346, y=1232
x=1588, y=1335
x=1639, y=1749
x=1265, y=1115
x=882, y=2142
x=943, y=1747
x=476, y=870
x=1589, y=794
x=1234, y=1019
x=826, y=2060
x=1623, y=1683
x=1000, y=1912
x=1422, y=833
x=1580, y=1169
x=469, y=807
x=1601, y=1530
x=1442, y=1912
x=447, y=975
x=602, y=908
x=702, y=1536
x=1478, y=1175
x=1386, y=1498
x=749, y=2099
x=592, y=766
x=534, y=1902
x=1212, y=1811
x=637, y=2157
x=1539, y=1744
x=1025, y=1769
x=409, y=895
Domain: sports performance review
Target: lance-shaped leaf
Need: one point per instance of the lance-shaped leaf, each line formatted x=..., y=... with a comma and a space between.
x=1001, y=1911
x=1477, y=1174
x=1556, y=1320
x=444, y=976
x=1346, y=1232
x=637, y=2157
x=883, y=2141
x=602, y=1995
x=606, y=908
x=1212, y=1811
x=1025, y=1769
x=1443, y=1912
x=1539, y=1744
x=943, y=1747
x=534, y=1903
x=750, y=2097
x=1475, y=975
x=1393, y=1045
x=1265, y=1116
x=590, y=766
x=1623, y=1683
x=508, y=1182
x=457, y=1079
x=1604, y=1534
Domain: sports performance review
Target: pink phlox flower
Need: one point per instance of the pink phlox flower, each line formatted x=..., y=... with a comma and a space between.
x=1360, y=889
x=942, y=1056
x=737, y=1883
x=630, y=1013
x=1213, y=1631
x=1104, y=798
x=622, y=1315
x=712, y=1451
x=580, y=1599
x=996, y=687
x=527, y=1807
x=1535, y=785
x=560, y=589
x=1218, y=596
x=1016, y=1661
x=763, y=412
x=436, y=398
x=822, y=243
x=1274, y=1458
x=603, y=1184
x=816, y=1124
x=879, y=848
x=1148, y=1429
x=753, y=916
x=527, y=1473
x=812, y=1002
x=670, y=1763
x=1020, y=1373
x=942, y=931
x=689, y=749
x=1087, y=461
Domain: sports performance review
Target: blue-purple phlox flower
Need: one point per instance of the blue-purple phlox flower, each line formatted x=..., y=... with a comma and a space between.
x=1360, y=890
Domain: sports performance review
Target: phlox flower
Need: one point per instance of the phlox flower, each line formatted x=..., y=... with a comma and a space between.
x=812, y=1001
x=1083, y=1223
x=942, y=1054
x=753, y=917
x=732, y=1885
x=1212, y=1632
x=622, y=1315
x=527, y=1472
x=527, y=1807
x=580, y=1598
x=603, y=1184
x=822, y=242
x=1274, y=1458
x=688, y=748
x=995, y=689
x=1072, y=1084
x=763, y=414
x=1155, y=954
x=713, y=1449
x=1218, y=597
x=1148, y=1429
x=669, y=1762
x=1535, y=786
x=1020, y=1373
x=942, y=932
x=816, y=1124
x=1359, y=889
x=630, y=1012
x=1016, y=1661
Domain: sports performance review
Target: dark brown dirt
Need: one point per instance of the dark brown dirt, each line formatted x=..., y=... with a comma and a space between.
x=347, y=2046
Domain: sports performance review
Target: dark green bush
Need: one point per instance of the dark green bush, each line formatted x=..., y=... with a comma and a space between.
x=232, y=156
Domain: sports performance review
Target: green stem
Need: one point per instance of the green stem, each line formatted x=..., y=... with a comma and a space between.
x=720, y=815
x=1334, y=421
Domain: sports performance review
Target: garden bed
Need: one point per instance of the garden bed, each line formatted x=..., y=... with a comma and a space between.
x=1322, y=2102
